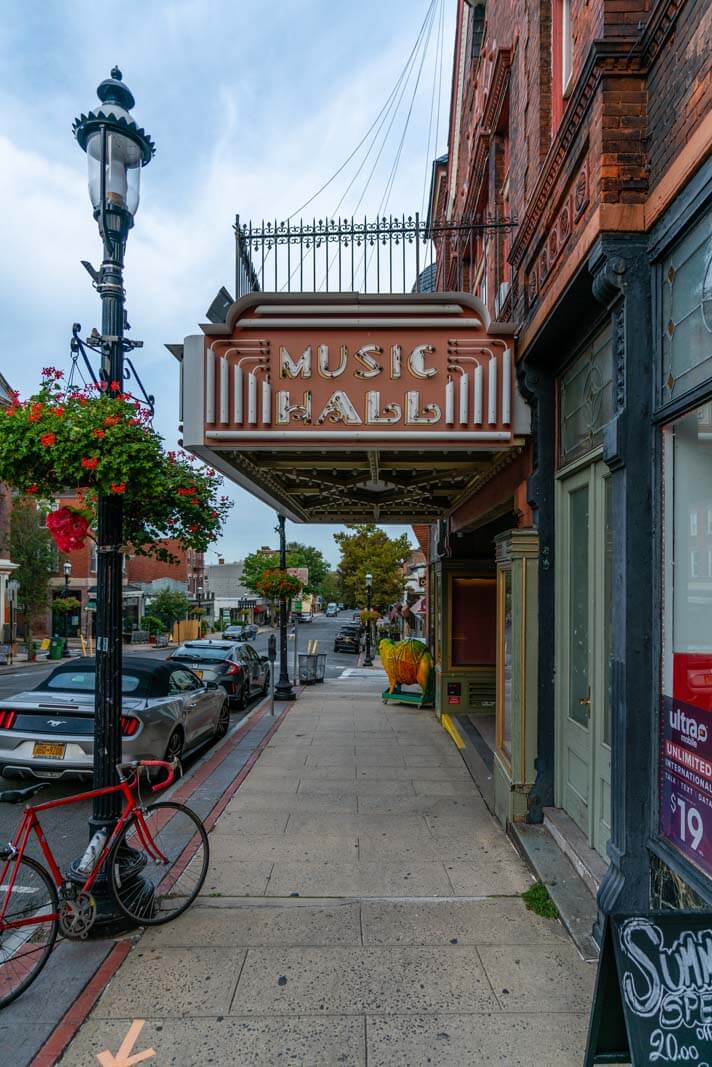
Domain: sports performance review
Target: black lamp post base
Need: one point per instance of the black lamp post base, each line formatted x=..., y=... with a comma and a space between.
x=284, y=691
x=109, y=919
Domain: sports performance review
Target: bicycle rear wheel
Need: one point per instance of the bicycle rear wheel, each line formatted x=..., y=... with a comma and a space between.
x=28, y=929
x=173, y=853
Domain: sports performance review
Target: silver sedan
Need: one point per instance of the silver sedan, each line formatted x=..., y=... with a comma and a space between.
x=48, y=732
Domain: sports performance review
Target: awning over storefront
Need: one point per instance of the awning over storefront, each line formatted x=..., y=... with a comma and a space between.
x=353, y=408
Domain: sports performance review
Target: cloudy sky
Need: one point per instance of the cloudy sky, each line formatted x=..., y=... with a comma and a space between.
x=252, y=107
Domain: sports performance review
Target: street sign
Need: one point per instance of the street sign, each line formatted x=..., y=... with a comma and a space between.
x=653, y=990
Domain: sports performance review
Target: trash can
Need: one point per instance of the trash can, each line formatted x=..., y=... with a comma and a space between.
x=56, y=648
x=312, y=667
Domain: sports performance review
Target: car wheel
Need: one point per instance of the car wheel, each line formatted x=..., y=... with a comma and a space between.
x=223, y=723
x=265, y=688
x=241, y=697
x=174, y=748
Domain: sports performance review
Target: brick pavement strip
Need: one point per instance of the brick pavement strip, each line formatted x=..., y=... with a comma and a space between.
x=362, y=907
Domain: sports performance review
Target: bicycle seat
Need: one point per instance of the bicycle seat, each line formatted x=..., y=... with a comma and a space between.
x=19, y=796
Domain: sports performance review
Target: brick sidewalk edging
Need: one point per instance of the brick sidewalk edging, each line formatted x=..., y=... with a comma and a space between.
x=70, y=1025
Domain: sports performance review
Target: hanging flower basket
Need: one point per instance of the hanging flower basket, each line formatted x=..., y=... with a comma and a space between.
x=277, y=583
x=369, y=616
x=99, y=442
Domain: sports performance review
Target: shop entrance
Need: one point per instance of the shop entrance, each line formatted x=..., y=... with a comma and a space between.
x=583, y=685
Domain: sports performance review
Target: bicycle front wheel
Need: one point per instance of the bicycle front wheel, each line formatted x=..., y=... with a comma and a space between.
x=28, y=927
x=159, y=863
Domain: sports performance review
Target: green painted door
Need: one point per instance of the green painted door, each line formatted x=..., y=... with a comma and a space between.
x=583, y=613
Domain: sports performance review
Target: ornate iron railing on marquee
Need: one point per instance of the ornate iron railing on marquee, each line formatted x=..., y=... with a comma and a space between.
x=383, y=255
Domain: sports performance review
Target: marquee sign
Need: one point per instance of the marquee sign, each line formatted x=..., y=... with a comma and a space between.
x=381, y=374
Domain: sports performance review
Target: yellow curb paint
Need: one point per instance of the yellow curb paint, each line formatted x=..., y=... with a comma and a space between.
x=450, y=727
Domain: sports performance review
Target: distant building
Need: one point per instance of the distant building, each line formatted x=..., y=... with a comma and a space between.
x=229, y=597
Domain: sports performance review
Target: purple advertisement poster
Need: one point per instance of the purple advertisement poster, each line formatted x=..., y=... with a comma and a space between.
x=686, y=765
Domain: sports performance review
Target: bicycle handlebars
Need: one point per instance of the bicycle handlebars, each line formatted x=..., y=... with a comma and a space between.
x=137, y=764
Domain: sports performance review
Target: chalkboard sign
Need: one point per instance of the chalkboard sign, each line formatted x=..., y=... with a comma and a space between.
x=653, y=998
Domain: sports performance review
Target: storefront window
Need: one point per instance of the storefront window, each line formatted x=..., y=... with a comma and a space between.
x=504, y=680
x=473, y=640
x=686, y=705
x=686, y=323
x=586, y=399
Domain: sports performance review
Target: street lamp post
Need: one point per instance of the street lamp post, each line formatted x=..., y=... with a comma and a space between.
x=67, y=573
x=283, y=689
x=368, y=659
x=117, y=149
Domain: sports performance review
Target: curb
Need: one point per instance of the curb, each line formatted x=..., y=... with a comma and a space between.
x=65, y=1031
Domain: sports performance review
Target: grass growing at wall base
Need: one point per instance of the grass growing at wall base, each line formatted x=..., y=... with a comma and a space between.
x=537, y=899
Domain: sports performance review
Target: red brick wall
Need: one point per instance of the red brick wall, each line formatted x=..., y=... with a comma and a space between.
x=641, y=88
x=680, y=86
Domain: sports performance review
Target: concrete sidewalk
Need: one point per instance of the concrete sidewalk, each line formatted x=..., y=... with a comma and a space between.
x=362, y=906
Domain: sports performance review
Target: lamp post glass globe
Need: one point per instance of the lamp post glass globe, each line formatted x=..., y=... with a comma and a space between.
x=116, y=147
x=124, y=160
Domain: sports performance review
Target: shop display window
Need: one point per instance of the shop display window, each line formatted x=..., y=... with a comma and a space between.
x=686, y=313
x=474, y=622
x=586, y=399
x=686, y=676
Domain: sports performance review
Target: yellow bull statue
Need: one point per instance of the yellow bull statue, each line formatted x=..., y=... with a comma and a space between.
x=407, y=662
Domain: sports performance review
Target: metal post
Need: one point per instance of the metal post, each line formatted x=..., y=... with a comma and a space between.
x=65, y=649
x=107, y=708
x=296, y=648
x=368, y=659
x=284, y=689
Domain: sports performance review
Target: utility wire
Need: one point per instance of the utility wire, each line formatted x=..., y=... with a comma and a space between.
x=370, y=129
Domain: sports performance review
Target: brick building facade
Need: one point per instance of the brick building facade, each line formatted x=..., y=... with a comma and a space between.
x=584, y=127
x=142, y=576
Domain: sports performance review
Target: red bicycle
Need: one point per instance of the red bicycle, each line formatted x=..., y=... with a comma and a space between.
x=157, y=858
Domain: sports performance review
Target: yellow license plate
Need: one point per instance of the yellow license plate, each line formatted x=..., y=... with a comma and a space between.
x=48, y=750
x=199, y=673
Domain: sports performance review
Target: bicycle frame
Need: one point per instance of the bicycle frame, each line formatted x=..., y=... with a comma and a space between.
x=30, y=824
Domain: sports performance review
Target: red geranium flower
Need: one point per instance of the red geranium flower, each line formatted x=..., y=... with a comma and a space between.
x=47, y=439
x=98, y=434
x=115, y=387
x=32, y=488
x=59, y=410
x=90, y=464
x=68, y=529
x=35, y=413
x=112, y=420
x=118, y=487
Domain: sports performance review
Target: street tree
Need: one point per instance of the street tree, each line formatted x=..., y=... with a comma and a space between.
x=331, y=588
x=367, y=549
x=170, y=607
x=32, y=547
x=298, y=555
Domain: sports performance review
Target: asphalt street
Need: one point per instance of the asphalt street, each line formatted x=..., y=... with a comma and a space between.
x=67, y=827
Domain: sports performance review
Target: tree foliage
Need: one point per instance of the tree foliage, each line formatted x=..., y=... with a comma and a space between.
x=101, y=443
x=298, y=555
x=33, y=549
x=366, y=549
x=170, y=607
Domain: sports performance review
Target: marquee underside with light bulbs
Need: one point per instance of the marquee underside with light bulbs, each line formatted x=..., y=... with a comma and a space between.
x=353, y=407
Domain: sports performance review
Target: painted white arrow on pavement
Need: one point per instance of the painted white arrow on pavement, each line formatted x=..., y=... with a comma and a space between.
x=123, y=1057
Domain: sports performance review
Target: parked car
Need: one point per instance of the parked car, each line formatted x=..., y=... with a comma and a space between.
x=240, y=632
x=166, y=710
x=331, y=611
x=305, y=616
x=348, y=639
x=234, y=665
